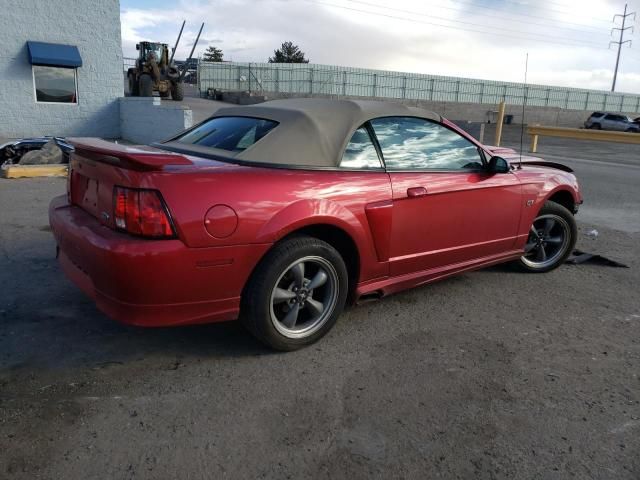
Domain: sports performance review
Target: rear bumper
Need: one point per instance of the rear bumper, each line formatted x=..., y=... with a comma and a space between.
x=150, y=282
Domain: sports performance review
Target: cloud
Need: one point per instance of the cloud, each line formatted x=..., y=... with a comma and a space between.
x=424, y=36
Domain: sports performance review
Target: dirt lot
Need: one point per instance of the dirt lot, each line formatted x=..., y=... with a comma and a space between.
x=492, y=374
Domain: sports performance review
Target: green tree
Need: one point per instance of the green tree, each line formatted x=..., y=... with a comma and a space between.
x=212, y=54
x=288, y=53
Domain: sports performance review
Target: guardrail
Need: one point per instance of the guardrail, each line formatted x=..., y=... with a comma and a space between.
x=580, y=134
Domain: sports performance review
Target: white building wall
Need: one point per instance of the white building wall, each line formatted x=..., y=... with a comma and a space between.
x=92, y=26
x=146, y=120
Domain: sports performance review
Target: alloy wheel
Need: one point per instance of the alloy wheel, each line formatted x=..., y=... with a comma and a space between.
x=304, y=297
x=548, y=240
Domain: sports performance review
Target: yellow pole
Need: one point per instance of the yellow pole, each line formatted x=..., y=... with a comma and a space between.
x=499, y=122
x=534, y=143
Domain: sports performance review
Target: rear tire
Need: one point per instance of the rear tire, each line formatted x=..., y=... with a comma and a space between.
x=551, y=239
x=146, y=85
x=134, y=90
x=296, y=293
x=596, y=126
x=177, y=91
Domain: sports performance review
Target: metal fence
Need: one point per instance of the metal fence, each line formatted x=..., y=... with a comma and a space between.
x=128, y=63
x=313, y=79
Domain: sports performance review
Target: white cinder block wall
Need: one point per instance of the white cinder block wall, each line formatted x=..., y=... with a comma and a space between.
x=147, y=120
x=94, y=27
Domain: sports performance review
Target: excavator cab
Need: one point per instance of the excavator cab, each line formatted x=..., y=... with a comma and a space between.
x=156, y=51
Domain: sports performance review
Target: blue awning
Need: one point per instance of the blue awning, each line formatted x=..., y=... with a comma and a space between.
x=54, y=54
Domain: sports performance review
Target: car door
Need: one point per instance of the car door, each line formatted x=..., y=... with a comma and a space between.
x=610, y=122
x=447, y=208
x=619, y=123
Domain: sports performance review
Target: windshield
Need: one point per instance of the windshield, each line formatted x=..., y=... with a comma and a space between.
x=234, y=134
x=155, y=49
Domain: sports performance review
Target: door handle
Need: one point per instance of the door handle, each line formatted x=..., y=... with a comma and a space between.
x=416, y=192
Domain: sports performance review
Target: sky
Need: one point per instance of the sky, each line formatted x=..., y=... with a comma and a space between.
x=567, y=40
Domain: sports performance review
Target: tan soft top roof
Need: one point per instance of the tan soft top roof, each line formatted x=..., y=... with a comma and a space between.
x=313, y=132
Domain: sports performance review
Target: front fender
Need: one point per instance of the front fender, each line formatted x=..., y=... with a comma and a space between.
x=535, y=195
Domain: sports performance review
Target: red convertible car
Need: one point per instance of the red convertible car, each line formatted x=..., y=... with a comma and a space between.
x=281, y=213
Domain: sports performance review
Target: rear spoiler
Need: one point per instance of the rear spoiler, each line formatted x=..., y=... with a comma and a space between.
x=134, y=157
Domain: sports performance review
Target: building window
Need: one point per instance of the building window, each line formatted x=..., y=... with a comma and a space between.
x=55, y=84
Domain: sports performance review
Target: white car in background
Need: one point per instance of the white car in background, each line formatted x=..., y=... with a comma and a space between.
x=612, y=121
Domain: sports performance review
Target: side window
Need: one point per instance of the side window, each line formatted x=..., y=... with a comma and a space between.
x=360, y=152
x=611, y=117
x=410, y=143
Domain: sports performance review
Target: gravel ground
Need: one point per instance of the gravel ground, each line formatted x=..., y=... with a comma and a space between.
x=492, y=374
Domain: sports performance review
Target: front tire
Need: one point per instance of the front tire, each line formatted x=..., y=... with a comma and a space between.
x=133, y=86
x=146, y=85
x=296, y=293
x=177, y=91
x=552, y=237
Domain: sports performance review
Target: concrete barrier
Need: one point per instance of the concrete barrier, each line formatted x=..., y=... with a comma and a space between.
x=580, y=134
x=145, y=120
x=475, y=129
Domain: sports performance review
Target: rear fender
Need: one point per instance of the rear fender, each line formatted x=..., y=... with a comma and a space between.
x=304, y=213
x=310, y=212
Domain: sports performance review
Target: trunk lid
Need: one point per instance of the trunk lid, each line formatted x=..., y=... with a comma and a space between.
x=96, y=166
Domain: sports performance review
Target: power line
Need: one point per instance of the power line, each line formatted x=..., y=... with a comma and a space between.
x=471, y=4
x=413, y=12
x=622, y=41
x=565, y=11
x=530, y=37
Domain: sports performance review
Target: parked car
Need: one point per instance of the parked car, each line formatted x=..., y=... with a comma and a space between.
x=281, y=213
x=611, y=121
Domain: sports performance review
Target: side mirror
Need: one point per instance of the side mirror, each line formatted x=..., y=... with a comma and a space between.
x=498, y=165
x=137, y=46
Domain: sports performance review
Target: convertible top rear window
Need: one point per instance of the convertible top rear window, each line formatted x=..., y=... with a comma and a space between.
x=234, y=134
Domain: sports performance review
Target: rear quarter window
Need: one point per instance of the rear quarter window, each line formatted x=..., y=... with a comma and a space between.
x=234, y=134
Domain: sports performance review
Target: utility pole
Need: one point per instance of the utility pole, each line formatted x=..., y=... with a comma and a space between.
x=622, y=41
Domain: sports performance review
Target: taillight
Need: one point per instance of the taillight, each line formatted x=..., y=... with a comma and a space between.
x=141, y=212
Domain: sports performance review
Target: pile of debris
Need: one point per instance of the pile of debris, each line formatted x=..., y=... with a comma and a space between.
x=35, y=151
x=239, y=97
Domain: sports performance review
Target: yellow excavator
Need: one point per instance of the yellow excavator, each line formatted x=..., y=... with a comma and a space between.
x=155, y=71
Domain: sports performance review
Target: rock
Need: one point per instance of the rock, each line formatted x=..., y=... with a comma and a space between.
x=49, y=154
